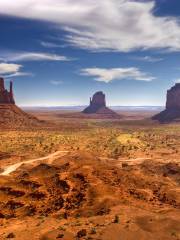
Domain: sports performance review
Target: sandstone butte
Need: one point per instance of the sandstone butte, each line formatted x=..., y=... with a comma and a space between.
x=6, y=97
x=12, y=116
x=97, y=105
x=172, y=111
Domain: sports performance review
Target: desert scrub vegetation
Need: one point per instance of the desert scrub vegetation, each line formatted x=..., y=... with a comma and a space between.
x=34, y=143
x=103, y=141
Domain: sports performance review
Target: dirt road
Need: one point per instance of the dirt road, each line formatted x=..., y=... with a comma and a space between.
x=51, y=157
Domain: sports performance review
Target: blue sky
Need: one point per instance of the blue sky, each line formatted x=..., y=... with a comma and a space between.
x=61, y=52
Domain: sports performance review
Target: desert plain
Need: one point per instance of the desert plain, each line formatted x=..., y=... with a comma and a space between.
x=84, y=178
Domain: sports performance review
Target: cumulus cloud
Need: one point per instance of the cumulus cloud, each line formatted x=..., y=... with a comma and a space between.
x=109, y=74
x=32, y=56
x=103, y=25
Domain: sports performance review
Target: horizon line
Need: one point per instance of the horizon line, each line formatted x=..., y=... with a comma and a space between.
x=51, y=106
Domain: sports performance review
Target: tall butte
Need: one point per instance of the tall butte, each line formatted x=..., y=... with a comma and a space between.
x=172, y=111
x=12, y=116
x=6, y=97
x=98, y=106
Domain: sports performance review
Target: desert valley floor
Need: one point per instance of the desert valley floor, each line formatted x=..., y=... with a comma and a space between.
x=78, y=178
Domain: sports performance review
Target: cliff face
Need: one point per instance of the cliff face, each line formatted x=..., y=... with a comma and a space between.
x=172, y=111
x=6, y=97
x=99, y=99
x=173, y=97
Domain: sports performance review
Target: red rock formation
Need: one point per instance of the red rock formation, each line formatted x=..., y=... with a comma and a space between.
x=98, y=101
x=2, y=84
x=173, y=97
x=6, y=97
x=98, y=106
x=12, y=116
x=11, y=95
x=172, y=111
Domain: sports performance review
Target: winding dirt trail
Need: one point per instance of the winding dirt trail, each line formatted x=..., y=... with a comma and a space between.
x=51, y=157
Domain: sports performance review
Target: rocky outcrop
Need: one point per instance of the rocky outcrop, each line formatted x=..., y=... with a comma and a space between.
x=6, y=97
x=97, y=105
x=12, y=116
x=172, y=111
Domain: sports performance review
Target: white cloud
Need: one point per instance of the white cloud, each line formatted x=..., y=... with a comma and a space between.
x=6, y=68
x=108, y=75
x=118, y=25
x=31, y=56
x=9, y=70
x=148, y=59
x=18, y=74
x=56, y=83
